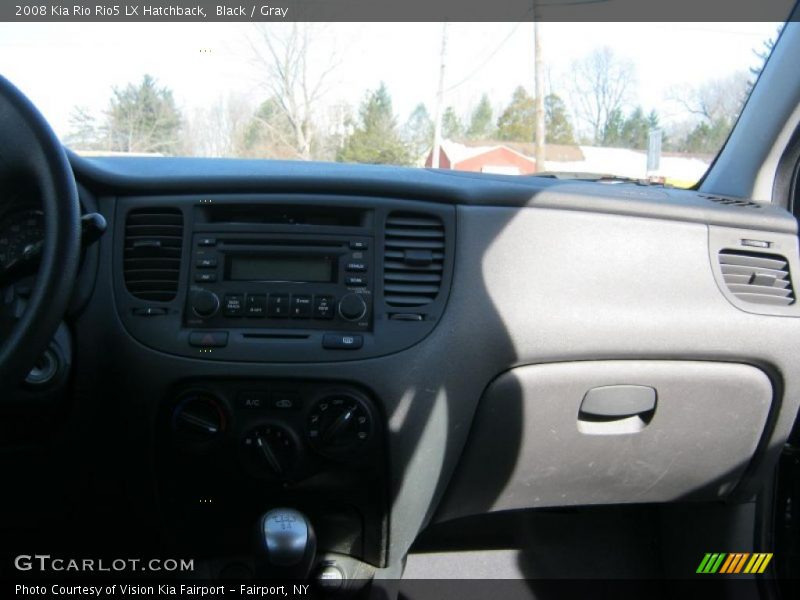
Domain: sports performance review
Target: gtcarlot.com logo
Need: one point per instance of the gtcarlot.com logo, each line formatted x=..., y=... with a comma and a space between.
x=46, y=562
x=734, y=563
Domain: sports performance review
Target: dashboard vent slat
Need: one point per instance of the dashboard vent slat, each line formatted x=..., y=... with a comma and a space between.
x=151, y=259
x=756, y=277
x=413, y=260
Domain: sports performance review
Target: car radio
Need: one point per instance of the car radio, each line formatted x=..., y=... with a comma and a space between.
x=295, y=281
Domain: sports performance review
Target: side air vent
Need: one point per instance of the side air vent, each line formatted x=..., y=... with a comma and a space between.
x=737, y=202
x=152, y=257
x=756, y=277
x=413, y=260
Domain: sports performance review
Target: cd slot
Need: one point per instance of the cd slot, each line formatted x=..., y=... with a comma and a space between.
x=282, y=214
x=268, y=241
x=275, y=336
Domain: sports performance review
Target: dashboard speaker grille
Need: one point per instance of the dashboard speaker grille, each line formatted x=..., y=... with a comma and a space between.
x=152, y=256
x=757, y=277
x=413, y=259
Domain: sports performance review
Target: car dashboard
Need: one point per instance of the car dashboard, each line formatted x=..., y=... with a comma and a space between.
x=385, y=349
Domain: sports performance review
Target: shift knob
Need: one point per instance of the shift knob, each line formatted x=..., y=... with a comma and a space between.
x=285, y=544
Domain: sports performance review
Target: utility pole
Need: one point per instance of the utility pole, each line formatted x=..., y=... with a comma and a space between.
x=538, y=66
x=437, y=123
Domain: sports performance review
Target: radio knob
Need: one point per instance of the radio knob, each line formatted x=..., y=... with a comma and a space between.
x=352, y=307
x=204, y=303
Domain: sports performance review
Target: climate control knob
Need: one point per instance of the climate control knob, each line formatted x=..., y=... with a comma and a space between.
x=271, y=450
x=204, y=303
x=339, y=425
x=352, y=307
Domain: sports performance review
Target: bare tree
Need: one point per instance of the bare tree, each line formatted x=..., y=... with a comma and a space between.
x=217, y=130
x=602, y=85
x=716, y=99
x=294, y=79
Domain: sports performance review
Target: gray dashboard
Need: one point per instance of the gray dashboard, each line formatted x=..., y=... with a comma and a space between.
x=552, y=287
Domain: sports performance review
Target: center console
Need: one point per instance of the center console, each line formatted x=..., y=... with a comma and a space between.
x=282, y=279
x=278, y=279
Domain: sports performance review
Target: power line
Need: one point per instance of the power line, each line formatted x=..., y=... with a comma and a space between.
x=486, y=60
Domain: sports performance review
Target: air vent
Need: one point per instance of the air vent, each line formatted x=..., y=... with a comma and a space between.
x=736, y=202
x=413, y=260
x=153, y=240
x=756, y=277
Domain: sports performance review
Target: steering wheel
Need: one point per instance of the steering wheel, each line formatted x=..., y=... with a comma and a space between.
x=29, y=149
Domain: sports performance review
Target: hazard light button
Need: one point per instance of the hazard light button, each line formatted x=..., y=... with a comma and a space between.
x=208, y=339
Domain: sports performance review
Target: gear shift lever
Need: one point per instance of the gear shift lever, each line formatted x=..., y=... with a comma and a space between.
x=285, y=545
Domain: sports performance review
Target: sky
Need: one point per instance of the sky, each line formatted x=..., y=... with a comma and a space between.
x=63, y=65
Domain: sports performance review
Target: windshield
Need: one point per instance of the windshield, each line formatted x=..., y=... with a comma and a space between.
x=648, y=101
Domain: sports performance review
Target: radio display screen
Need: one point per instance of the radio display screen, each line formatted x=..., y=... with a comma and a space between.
x=280, y=268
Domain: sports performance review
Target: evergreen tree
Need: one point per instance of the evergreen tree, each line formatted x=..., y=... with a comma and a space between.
x=480, y=122
x=612, y=136
x=517, y=123
x=452, y=129
x=636, y=130
x=557, y=125
x=418, y=131
x=375, y=139
x=143, y=118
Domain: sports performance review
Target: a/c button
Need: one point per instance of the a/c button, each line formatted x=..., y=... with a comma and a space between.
x=342, y=341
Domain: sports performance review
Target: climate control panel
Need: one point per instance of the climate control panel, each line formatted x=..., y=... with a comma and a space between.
x=228, y=449
x=283, y=431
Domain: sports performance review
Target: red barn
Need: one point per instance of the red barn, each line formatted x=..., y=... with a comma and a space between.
x=498, y=158
x=509, y=158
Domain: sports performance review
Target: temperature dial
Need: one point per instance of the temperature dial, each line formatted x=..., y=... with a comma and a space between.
x=198, y=417
x=272, y=449
x=339, y=426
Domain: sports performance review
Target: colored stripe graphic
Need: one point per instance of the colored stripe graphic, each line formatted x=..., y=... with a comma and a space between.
x=734, y=563
x=711, y=562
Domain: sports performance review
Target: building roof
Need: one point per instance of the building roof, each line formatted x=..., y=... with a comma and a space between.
x=555, y=152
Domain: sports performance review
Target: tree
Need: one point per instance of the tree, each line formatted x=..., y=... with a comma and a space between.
x=375, y=139
x=763, y=54
x=601, y=84
x=707, y=137
x=268, y=133
x=517, y=123
x=636, y=130
x=294, y=81
x=480, y=122
x=559, y=129
x=717, y=99
x=143, y=118
x=84, y=131
x=714, y=107
x=452, y=128
x=218, y=129
x=418, y=131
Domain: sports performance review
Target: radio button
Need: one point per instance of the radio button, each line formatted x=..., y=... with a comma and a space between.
x=278, y=305
x=342, y=341
x=359, y=280
x=301, y=307
x=234, y=305
x=208, y=339
x=206, y=263
x=256, y=305
x=205, y=277
x=356, y=267
x=323, y=307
